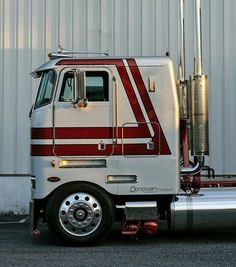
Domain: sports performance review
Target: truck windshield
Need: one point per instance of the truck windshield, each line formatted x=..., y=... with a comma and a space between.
x=45, y=91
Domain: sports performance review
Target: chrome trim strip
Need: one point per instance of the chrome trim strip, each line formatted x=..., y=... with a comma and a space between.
x=82, y=163
x=121, y=179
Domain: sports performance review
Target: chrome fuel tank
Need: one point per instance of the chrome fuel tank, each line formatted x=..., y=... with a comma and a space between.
x=211, y=209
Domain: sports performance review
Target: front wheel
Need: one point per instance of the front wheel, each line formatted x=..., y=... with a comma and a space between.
x=80, y=214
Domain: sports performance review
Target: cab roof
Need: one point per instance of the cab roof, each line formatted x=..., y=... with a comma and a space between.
x=65, y=60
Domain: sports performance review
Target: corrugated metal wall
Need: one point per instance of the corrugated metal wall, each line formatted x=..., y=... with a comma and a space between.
x=30, y=29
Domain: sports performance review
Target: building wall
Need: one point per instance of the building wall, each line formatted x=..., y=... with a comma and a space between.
x=30, y=29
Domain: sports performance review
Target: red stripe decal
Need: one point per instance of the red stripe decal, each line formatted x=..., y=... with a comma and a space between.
x=148, y=106
x=41, y=133
x=88, y=133
x=91, y=150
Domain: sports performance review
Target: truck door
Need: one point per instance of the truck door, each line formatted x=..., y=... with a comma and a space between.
x=84, y=130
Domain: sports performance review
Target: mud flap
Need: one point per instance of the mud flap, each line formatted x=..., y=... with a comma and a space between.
x=34, y=211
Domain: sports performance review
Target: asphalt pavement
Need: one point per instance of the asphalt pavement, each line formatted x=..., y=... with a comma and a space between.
x=18, y=248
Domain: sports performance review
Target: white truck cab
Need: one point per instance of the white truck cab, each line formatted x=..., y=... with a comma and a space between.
x=107, y=123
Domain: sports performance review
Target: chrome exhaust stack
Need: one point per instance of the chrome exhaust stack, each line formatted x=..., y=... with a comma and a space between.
x=181, y=82
x=197, y=99
x=199, y=94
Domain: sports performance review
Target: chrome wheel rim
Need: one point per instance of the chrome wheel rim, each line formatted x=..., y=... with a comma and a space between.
x=80, y=214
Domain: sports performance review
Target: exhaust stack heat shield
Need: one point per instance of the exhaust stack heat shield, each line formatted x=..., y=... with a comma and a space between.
x=199, y=115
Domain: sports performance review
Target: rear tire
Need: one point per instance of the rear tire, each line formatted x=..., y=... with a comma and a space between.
x=80, y=214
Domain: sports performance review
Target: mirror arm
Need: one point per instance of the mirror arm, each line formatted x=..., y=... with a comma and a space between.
x=80, y=100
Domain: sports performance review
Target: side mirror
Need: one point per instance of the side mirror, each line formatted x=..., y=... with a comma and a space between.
x=80, y=99
x=82, y=103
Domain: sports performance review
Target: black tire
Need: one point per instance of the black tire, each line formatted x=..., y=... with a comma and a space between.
x=80, y=214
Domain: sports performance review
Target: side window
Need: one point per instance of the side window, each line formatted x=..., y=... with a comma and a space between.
x=46, y=87
x=67, y=87
x=96, y=86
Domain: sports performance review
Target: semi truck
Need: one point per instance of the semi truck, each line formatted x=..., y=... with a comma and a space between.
x=111, y=140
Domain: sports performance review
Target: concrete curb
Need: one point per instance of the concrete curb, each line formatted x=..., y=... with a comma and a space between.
x=8, y=219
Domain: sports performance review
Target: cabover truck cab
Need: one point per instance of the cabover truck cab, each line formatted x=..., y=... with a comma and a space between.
x=104, y=136
x=110, y=141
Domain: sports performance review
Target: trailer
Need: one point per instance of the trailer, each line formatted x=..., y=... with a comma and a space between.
x=111, y=140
